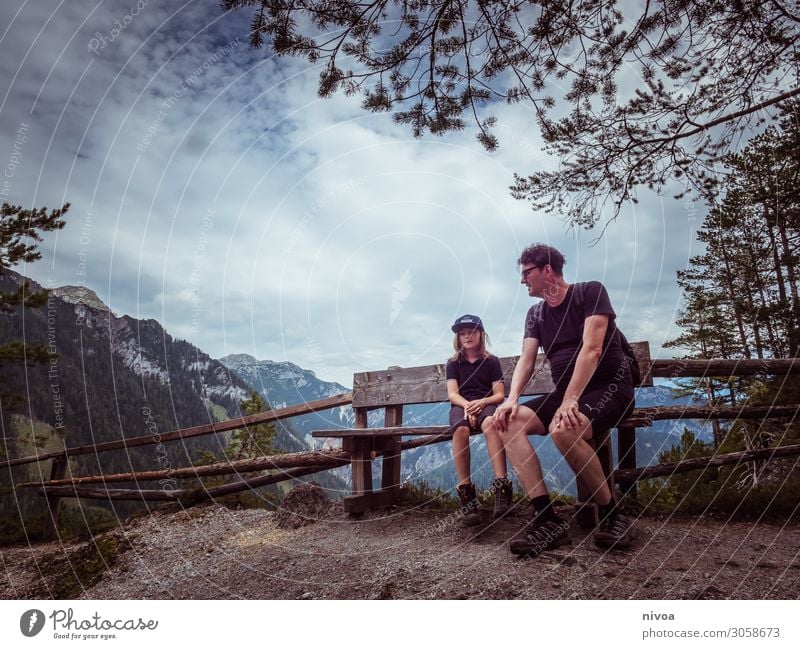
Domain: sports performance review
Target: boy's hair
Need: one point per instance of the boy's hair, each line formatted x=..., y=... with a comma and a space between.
x=482, y=350
x=540, y=254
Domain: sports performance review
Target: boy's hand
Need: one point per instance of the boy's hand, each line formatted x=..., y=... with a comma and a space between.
x=475, y=407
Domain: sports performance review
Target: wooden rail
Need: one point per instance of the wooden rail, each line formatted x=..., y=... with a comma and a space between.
x=695, y=464
x=676, y=368
x=391, y=389
x=184, y=496
x=326, y=459
x=196, y=431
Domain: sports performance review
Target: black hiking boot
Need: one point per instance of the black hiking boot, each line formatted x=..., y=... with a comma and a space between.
x=616, y=531
x=542, y=533
x=503, y=494
x=468, y=499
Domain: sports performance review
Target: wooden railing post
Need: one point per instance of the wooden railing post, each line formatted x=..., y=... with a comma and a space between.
x=58, y=470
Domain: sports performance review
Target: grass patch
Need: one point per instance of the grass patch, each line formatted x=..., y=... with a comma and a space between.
x=421, y=494
x=77, y=520
x=83, y=567
x=724, y=492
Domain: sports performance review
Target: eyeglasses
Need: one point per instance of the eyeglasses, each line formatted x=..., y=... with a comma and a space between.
x=526, y=271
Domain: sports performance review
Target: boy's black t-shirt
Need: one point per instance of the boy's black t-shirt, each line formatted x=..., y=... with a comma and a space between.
x=559, y=331
x=475, y=379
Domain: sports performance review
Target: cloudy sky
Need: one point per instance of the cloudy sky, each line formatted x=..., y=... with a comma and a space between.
x=213, y=191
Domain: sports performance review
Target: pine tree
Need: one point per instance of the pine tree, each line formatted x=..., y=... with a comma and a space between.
x=708, y=72
x=741, y=293
x=20, y=235
x=253, y=441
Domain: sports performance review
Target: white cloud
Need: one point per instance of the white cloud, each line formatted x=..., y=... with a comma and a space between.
x=248, y=215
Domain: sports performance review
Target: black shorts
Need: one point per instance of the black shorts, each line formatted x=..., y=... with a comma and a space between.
x=457, y=417
x=604, y=407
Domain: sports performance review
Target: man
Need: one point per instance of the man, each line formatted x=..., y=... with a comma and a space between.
x=575, y=326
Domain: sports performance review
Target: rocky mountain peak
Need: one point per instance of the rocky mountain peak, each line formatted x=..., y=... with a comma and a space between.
x=233, y=360
x=80, y=295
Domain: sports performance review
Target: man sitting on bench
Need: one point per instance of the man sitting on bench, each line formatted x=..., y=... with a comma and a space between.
x=575, y=325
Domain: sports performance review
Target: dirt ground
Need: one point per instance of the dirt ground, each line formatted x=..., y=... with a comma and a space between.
x=212, y=552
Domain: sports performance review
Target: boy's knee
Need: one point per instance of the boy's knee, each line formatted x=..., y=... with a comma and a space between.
x=461, y=433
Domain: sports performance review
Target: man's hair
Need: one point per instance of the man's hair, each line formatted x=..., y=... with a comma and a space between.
x=540, y=255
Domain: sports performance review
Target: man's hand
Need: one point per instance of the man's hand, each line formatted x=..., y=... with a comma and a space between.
x=473, y=421
x=566, y=416
x=505, y=414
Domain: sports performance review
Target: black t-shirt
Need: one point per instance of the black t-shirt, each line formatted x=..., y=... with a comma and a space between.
x=475, y=379
x=559, y=331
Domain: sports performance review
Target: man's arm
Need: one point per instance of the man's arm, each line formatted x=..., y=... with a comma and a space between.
x=522, y=374
x=594, y=331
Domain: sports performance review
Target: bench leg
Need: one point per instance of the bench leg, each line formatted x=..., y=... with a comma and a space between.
x=587, y=515
x=361, y=465
x=390, y=478
x=626, y=451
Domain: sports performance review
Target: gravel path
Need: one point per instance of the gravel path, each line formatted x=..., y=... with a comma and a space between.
x=212, y=552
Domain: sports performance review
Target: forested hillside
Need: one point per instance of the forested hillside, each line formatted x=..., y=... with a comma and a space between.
x=106, y=378
x=741, y=302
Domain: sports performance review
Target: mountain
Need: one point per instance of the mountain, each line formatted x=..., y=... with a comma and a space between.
x=285, y=384
x=105, y=371
x=109, y=377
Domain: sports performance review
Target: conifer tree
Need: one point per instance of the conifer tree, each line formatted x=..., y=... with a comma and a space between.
x=20, y=236
x=628, y=96
x=253, y=441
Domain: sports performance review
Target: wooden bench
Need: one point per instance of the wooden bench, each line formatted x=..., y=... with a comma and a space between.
x=396, y=387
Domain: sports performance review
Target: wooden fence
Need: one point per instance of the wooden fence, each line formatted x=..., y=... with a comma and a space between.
x=288, y=466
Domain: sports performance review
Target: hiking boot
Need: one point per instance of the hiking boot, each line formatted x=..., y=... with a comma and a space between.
x=542, y=533
x=615, y=531
x=503, y=493
x=468, y=500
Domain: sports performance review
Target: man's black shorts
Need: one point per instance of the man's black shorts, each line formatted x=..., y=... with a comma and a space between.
x=604, y=407
x=457, y=417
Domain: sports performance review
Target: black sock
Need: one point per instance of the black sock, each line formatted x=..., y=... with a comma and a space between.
x=542, y=506
x=604, y=511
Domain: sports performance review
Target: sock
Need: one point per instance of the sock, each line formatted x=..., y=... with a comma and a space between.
x=542, y=506
x=604, y=511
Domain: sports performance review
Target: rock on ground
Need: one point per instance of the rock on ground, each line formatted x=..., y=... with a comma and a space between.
x=411, y=553
x=305, y=504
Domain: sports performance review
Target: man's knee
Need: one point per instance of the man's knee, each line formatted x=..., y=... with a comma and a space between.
x=564, y=437
x=522, y=426
x=512, y=431
x=561, y=436
x=490, y=428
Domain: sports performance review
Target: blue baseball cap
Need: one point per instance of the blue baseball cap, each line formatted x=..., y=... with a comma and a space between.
x=471, y=321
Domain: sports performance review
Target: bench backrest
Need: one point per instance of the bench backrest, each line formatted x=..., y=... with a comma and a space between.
x=409, y=385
